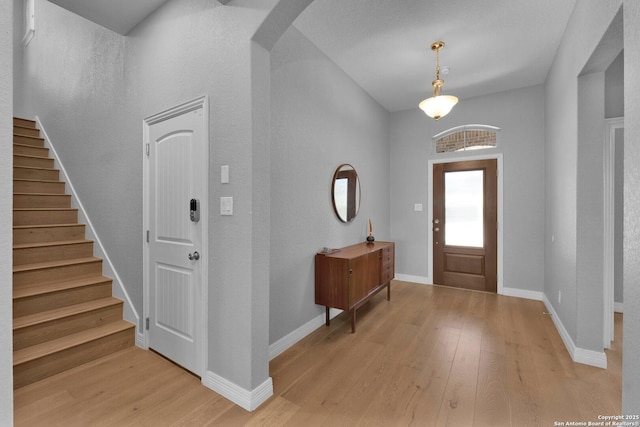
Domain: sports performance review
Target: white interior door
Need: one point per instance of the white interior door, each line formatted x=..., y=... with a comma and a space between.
x=176, y=174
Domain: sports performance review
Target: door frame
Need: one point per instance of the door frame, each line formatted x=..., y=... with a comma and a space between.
x=452, y=159
x=609, y=227
x=201, y=102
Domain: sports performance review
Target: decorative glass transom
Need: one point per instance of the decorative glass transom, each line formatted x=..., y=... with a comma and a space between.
x=467, y=137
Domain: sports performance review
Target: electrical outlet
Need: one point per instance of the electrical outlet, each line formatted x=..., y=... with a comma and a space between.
x=559, y=297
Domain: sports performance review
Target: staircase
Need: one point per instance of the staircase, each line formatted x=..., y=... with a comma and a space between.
x=63, y=311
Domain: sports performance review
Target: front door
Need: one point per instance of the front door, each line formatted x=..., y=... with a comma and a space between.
x=465, y=224
x=177, y=165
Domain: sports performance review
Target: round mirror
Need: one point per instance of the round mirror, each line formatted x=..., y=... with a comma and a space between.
x=345, y=192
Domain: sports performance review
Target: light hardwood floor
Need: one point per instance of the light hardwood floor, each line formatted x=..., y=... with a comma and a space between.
x=430, y=356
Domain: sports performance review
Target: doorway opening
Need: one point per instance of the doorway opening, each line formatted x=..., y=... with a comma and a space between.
x=175, y=219
x=465, y=224
x=465, y=212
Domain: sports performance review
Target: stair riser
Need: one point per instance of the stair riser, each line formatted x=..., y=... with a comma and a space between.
x=45, y=217
x=51, y=301
x=28, y=140
x=29, y=150
x=57, y=274
x=28, y=131
x=39, y=369
x=23, y=256
x=38, y=187
x=48, y=234
x=57, y=328
x=44, y=174
x=36, y=162
x=41, y=201
x=17, y=121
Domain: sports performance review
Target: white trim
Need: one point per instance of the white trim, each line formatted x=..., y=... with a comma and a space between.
x=247, y=399
x=523, y=293
x=579, y=355
x=618, y=307
x=485, y=156
x=609, y=226
x=284, y=343
x=194, y=104
x=117, y=288
x=415, y=279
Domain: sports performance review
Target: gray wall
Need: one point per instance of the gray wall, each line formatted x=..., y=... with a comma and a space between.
x=227, y=63
x=590, y=218
x=520, y=115
x=320, y=118
x=614, y=107
x=74, y=82
x=6, y=230
x=618, y=225
x=589, y=22
x=584, y=31
x=630, y=365
x=614, y=88
x=92, y=88
x=18, y=33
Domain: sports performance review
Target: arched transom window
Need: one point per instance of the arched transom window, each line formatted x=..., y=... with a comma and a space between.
x=466, y=137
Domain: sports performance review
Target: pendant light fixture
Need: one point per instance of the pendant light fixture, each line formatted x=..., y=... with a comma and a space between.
x=438, y=105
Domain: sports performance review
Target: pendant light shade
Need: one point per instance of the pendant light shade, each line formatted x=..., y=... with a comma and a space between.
x=438, y=105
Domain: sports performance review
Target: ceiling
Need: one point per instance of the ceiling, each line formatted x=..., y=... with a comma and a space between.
x=117, y=15
x=384, y=45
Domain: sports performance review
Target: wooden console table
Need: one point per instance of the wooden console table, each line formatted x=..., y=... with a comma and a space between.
x=347, y=278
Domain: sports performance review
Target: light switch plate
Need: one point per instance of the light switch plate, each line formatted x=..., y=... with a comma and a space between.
x=226, y=205
x=224, y=174
x=417, y=207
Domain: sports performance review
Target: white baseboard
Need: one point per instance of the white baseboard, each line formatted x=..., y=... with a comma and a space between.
x=290, y=339
x=129, y=312
x=618, y=307
x=415, y=279
x=140, y=341
x=293, y=337
x=523, y=293
x=247, y=399
x=579, y=355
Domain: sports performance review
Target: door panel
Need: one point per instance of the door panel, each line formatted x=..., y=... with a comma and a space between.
x=359, y=284
x=175, y=287
x=465, y=224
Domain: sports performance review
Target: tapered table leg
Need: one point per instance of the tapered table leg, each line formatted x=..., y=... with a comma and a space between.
x=353, y=320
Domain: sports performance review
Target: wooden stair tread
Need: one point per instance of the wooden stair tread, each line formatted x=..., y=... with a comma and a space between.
x=32, y=167
x=40, y=289
x=49, y=244
x=21, y=193
x=48, y=181
x=25, y=120
x=23, y=127
x=27, y=145
x=58, y=263
x=44, y=209
x=23, y=227
x=39, y=138
x=32, y=157
x=46, y=316
x=41, y=350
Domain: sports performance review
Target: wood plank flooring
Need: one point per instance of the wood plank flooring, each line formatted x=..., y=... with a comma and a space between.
x=432, y=356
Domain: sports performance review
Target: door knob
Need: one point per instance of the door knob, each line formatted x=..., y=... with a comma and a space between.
x=436, y=229
x=194, y=256
x=436, y=221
